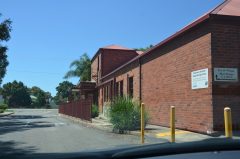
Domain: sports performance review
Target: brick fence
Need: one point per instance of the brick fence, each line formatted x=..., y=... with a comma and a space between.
x=78, y=109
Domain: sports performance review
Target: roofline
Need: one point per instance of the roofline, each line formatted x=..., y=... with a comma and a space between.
x=98, y=52
x=180, y=32
x=183, y=30
x=219, y=7
x=103, y=83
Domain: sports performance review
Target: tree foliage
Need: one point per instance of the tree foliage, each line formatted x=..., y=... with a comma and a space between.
x=80, y=68
x=42, y=97
x=16, y=94
x=144, y=48
x=5, y=29
x=63, y=91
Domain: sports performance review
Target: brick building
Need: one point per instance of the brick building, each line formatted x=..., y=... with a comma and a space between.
x=196, y=70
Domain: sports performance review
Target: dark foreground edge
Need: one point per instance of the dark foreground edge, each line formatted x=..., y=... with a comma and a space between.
x=165, y=149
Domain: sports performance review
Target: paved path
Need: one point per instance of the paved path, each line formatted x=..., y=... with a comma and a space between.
x=44, y=131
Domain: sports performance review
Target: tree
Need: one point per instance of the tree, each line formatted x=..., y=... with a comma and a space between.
x=48, y=97
x=144, y=49
x=81, y=68
x=63, y=92
x=5, y=29
x=42, y=97
x=16, y=94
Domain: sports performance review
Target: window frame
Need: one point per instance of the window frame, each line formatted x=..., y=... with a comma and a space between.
x=130, y=86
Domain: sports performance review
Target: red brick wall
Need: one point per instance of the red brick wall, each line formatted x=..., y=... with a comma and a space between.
x=130, y=72
x=166, y=81
x=166, y=77
x=226, y=54
x=123, y=74
x=112, y=59
x=108, y=61
x=94, y=67
x=100, y=99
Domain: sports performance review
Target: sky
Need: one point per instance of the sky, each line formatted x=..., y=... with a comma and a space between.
x=47, y=35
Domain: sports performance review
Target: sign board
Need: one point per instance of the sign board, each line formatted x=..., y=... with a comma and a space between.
x=199, y=79
x=226, y=74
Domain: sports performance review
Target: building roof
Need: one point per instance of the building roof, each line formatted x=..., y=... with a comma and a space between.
x=139, y=52
x=228, y=7
x=113, y=47
x=117, y=47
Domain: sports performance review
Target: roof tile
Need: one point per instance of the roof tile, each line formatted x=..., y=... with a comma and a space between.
x=118, y=47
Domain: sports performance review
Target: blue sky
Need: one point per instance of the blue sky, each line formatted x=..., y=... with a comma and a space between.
x=48, y=34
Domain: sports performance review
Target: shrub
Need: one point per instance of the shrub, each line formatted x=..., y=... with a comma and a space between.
x=94, y=110
x=125, y=114
x=3, y=107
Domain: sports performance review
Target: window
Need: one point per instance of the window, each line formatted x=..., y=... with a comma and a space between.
x=121, y=88
x=117, y=89
x=111, y=90
x=107, y=93
x=104, y=94
x=130, y=86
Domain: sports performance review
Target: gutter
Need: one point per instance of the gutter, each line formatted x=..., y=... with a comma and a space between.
x=103, y=83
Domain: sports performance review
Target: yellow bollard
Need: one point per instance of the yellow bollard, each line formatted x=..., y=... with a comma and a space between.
x=142, y=123
x=228, y=122
x=172, y=123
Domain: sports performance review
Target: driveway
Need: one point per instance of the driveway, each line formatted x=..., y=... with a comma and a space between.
x=44, y=131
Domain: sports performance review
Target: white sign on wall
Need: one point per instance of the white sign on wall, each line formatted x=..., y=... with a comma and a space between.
x=199, y=79
x=226, y=74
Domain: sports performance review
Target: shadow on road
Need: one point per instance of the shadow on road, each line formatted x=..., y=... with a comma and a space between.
x=13, y=123
x=9, y=148
x=27, y=116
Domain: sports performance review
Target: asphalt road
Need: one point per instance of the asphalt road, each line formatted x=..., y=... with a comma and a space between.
x=44, y=131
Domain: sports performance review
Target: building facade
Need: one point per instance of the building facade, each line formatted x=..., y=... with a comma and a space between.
x=196, y=70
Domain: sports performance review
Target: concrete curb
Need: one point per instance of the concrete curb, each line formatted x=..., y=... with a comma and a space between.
x=75, y=120
x=87, y=123
x=92, y=125
x=6, y=114
x=109, y=129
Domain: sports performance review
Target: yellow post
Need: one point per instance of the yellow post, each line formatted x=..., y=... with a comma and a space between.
x=142, y=123
x=228, y=122
x=172, y=123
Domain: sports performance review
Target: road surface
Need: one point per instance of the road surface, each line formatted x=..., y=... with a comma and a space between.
x=44, y=131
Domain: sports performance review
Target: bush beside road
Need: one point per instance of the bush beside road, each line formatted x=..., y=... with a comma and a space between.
x=6, y=113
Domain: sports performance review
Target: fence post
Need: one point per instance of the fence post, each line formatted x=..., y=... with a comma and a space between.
x=172, y=123
x=228, y=122
x=142, y=123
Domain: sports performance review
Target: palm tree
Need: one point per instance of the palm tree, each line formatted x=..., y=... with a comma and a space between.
x=80, y=68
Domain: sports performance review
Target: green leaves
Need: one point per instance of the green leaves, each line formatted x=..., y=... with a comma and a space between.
x=125, y=114
x=5, y=29
x=16, y=94
x=63, y=91
x=80, y=68
x=41, y=97
x=3, y=107
x=94, y=111
x=144, y=49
